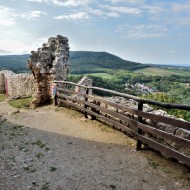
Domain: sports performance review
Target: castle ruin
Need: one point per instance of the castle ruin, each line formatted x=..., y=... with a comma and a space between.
x=48, y=63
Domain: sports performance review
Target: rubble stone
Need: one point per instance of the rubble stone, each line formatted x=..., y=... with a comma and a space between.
x=183, y=133
x=165, y=127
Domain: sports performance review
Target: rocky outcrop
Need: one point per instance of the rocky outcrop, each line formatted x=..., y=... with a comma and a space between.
x=48, y=63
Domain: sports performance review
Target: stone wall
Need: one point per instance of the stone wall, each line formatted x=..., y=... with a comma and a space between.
x=2, y=83
x=17, y=85
x=85, y=81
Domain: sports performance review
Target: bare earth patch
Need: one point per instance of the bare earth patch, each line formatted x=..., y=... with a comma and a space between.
x=54, y=148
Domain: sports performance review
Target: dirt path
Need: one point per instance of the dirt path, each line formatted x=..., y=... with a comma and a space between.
x=57, y=149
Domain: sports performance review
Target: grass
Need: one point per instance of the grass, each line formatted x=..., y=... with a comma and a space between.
x=102, y=75
x=39, y=143
x=2, y=97
x=21, y=103
x=45, y=187
x=39, y=155
x=47, y=149
x=153, y=163
x=26, y=167
x=15, y=127
x=105, y=128
x=162, y=72
x=113, y=186
x=53, y=169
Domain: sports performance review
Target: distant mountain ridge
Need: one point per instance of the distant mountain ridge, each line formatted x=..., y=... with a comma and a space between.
x=79, y=60
x=16, y=63
x=98, y=60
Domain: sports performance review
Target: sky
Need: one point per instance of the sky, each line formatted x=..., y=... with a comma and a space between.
x=145, y=31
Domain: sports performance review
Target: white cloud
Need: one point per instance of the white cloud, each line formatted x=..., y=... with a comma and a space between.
x=121, y=9
x=100, y=40
x=7, y=16
x=17, y=47
x=112, y=14
x=101, y=13
x=139, y=35
x=97, y=12
x=65, y=3
x=72, y=3
x=75, y=16
x=31, y=15
x=153, y=9
x=172, y=51
x=39, y=1
x=3, y=52
x=181, y=7
x=141, y=31
x=126, y=1
x=182, y=21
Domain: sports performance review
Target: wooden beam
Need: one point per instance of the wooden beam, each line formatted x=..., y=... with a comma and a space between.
x=153, y=102
x=157, y=118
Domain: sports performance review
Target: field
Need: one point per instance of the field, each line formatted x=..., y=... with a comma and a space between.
x=102, y=75
x=163, y=71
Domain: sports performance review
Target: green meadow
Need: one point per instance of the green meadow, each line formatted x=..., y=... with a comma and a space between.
x=102, y=75
x=163, y=71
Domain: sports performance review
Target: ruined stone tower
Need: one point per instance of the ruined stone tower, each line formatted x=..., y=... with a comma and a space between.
x=48, y=63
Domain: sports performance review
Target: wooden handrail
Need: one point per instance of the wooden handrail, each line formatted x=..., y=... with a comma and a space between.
x=142, y=100
x=119, y=116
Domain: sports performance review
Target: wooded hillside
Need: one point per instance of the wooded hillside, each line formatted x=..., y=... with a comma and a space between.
x=81, y=61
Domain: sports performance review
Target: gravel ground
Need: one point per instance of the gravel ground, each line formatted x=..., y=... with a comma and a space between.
x=52, y=148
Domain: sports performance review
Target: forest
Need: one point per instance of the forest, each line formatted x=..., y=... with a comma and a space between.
x=80, y=62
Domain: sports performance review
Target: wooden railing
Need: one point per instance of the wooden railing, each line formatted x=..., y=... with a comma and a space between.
x=130, y=120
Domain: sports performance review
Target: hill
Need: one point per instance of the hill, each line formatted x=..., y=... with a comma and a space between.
x=16, y=63
x=88, y=60
x=81, y=62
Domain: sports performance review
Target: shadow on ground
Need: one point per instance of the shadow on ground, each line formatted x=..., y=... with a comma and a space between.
x=39, y=160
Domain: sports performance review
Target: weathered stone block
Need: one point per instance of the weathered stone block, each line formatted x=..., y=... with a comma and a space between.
x=164, y=127
x=183, y=133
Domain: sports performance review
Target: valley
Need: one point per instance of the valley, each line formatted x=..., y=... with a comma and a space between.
x=165, y=83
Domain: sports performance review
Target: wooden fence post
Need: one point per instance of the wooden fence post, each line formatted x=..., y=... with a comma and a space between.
x=139, y=143
x=55, y=97
x=86, y=99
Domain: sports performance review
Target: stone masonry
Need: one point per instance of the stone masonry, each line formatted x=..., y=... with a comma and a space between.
x=16, y=85
x=85, y=81
x=48, y=63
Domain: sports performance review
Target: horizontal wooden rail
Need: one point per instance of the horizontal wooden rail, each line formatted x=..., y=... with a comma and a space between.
x=153, y=102
x=157, y=118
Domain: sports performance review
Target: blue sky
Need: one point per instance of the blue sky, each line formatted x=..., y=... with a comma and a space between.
x=146, y=31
